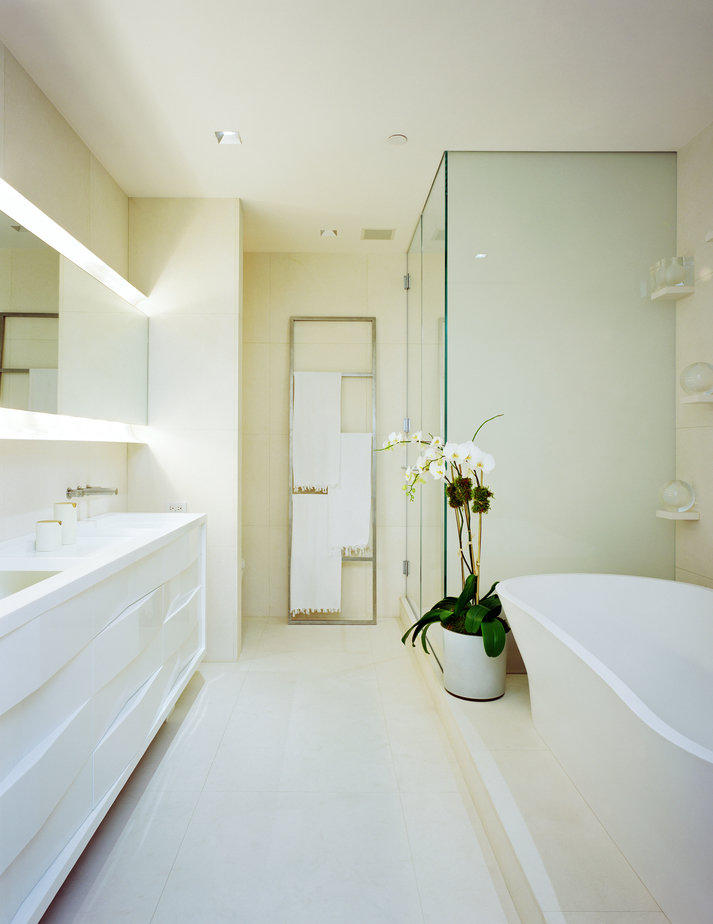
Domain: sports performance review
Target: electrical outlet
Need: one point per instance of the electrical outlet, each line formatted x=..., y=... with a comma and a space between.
x=177, y=507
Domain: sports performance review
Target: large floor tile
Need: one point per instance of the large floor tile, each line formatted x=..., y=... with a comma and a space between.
x=455, y=882
x=121, y=874
x=308, y=857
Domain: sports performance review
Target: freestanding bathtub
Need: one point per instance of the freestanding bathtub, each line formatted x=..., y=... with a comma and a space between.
x=621, y=684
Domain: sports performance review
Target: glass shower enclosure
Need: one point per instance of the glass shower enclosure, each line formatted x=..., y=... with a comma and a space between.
x=529, y=299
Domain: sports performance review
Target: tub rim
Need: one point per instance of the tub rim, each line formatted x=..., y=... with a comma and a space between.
x=622, y=690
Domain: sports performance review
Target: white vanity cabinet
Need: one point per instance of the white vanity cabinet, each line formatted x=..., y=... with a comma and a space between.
x=92, y=661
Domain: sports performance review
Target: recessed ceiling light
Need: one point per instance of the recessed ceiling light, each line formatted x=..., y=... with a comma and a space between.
x=228, y=137
x=377, y=234
x=397, y=139
x=328, y=232
x=480, y=256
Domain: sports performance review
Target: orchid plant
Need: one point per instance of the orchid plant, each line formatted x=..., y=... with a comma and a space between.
x=462, y=468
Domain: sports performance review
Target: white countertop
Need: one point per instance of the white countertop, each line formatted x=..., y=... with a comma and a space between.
x=105, y=544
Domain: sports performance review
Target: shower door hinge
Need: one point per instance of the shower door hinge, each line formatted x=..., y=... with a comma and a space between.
x=405, y=567
x=407, y=281
x=407, y=424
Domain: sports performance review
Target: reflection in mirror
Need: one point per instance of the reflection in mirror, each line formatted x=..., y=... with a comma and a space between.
x=29, y=306
x=68, y=344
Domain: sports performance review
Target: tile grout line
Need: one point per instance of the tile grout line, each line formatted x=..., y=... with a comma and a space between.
x=192, y=814
x=398, y=784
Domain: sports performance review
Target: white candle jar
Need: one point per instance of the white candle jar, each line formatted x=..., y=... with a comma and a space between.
x=48, y=535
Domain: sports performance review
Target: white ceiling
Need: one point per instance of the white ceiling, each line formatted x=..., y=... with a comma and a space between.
x=316, y=86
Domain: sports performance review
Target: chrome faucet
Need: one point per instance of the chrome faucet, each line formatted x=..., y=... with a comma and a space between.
x=83, y=492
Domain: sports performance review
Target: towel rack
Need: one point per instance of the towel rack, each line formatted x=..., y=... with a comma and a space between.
x=347, y=560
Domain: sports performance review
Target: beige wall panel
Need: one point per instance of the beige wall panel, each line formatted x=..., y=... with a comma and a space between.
x=694, y=343
x=186, y=255
x=108, y=218
x=43, y=157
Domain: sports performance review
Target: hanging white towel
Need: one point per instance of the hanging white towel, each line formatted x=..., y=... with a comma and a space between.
x=350, y=501
x=315, y=569
x=316, y=423
x=42, y=391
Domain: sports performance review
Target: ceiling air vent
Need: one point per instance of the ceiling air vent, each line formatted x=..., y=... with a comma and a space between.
x=377, y=234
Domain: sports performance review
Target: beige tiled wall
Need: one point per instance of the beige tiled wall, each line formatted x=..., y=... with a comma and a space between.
x=694, y=343
x=277, y=287
x=186, y=254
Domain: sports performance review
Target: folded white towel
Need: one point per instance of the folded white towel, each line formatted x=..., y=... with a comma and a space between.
x=315, y=569
x=350, y=501
x=316, y=422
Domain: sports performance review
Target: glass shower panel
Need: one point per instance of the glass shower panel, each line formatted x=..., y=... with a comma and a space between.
x=433, y=310
x=413, y=411
x=426, y=392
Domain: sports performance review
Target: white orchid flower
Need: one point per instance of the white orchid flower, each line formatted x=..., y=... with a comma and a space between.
x=421, y=464
x=438, y=469
x=433, y=452
x=436, y=441
x=467, y=453
x=452, y=452
x=485, y=462
x=417, y=437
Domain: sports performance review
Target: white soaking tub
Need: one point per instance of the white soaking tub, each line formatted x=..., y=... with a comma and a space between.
x=621, y=683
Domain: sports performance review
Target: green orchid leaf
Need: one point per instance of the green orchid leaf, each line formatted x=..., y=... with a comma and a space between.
x=466, y=595
x=492, y=604
x=473, y=618
x=440, y=614
x=423, y=638
x=446, y=604
x=418, y=627
x=494, y=637
x=490, y=591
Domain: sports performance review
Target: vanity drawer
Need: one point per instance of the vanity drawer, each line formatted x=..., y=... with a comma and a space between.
x=40, y=862
x=32, y=790
x=110, y=699
x=36, y=717
x=126, y=738
x=127, y=636
x=180, y=621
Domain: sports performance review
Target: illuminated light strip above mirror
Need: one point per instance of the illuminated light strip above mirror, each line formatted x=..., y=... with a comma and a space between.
x=32, y=425
x=42, y=226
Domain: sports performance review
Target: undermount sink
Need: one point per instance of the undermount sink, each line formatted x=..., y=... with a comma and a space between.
x=12, y=581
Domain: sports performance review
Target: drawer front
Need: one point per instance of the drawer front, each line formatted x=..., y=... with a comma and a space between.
x=180, y=621
x=37, y=858
x=35, y=718
x=127, y=636
x=126, y=738
x=36, y=651
x=110, y=700
x=32, y=790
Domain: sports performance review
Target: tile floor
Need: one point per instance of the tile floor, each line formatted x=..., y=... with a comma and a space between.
x=309, y=782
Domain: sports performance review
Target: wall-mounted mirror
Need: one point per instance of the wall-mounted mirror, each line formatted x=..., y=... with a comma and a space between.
x=68, y=344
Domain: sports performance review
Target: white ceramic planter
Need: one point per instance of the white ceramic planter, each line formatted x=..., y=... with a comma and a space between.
x=468, y=672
